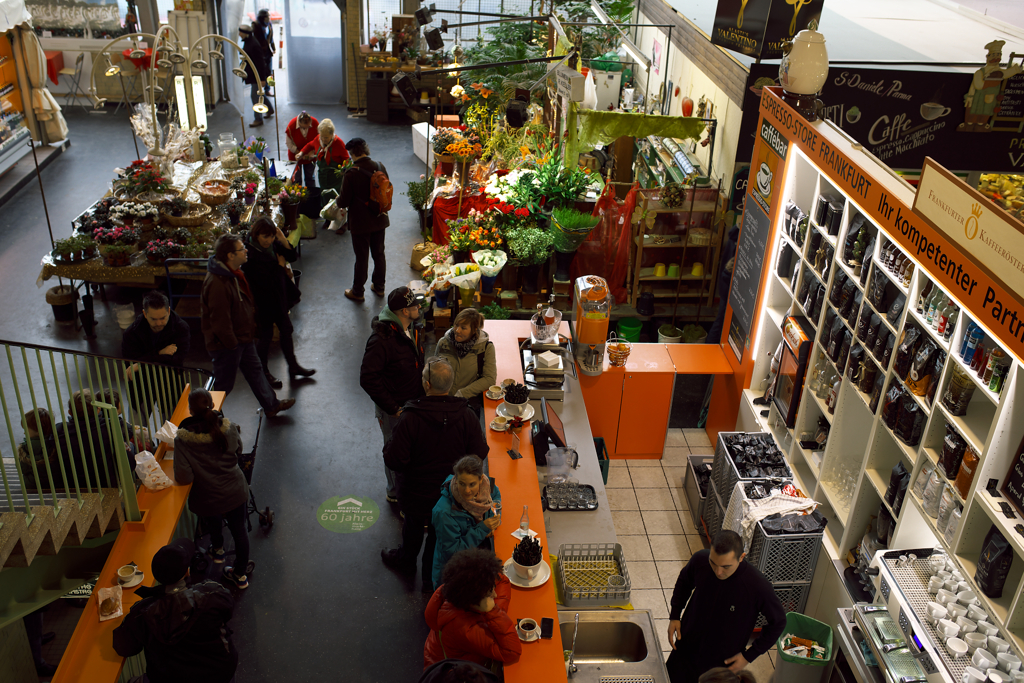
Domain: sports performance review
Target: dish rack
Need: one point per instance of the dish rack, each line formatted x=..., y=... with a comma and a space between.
x=593, y=574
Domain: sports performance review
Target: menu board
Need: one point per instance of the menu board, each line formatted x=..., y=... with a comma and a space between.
x=746, y=275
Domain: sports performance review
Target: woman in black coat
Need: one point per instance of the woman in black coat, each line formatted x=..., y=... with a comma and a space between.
x=273, y=293
x=259, y=57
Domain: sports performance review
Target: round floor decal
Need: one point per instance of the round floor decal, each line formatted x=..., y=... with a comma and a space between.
x=347, y=514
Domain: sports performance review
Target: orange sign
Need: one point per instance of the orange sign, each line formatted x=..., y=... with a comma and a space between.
x=987, y=299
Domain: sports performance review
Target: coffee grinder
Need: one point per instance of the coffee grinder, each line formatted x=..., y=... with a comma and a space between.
x=590, y=323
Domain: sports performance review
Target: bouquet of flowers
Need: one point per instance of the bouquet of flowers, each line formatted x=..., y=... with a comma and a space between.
x=162, y=249
x=444, y=137
x=486, y=236
x=250, y=189
x=465, y=275
x=293, y=194
x=460, y=230
x=116, y=235
x=490, y=261
x=256, y=146
x=440, y=255
x=141, y=177
x=463, y=150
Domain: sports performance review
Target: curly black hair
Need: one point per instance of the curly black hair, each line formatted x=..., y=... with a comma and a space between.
x=469, y=576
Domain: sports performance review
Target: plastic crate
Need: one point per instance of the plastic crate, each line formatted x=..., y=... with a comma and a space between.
x=602, y=457
x=584, y=569
x=724, y=473
x=793, y=597
x=713, y=513
x=694, y=499
x=784, y=558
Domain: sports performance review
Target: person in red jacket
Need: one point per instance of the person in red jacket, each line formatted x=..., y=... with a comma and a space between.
x=299, y=132
x=467, y=613
x=328, y=152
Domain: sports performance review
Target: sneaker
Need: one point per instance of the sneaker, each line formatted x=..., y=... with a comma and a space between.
x=217, y=555
x=393, y=560
x=240, y=581
x=255, y=124
x=281, y=407
x=391, y=497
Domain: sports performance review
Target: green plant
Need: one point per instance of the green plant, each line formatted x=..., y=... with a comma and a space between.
x=234, y=207
x=444, y=137
x=529, y=246
x=570, y=227
x=274, y=185
x=494, y=311
x=175, y=207
x=142, y=177
x=419, y=191
x=528, y=551
x=859, y=246
x=162, y=249
x=194, y=249
x=257, y=146
x=119, y=249
x=84, y=242
x=64, y=247
x=251, y=177
x=161, y=233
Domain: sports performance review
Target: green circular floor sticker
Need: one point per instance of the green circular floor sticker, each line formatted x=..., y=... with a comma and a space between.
x=347, y=514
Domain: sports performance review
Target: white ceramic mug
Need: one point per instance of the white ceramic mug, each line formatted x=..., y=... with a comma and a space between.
x=494, y=390
x=977, y=613
x=951, y=586
x=945, y=597
x=997, y=645
x=1017, y=676
x=956, y=611
x=966, y=597
x=500, y=423
x=936, y=611
x=956, y=647
x=997, y=676
x=947, y=628
x=934, y=584
x=966, y=625
x=944, y=575
x=1008, y=662
x=983, y=659
x=988, y=629
x=976, y=640
x=530, y=573
x=126, y=573
x=972, y=675
x=527, y=629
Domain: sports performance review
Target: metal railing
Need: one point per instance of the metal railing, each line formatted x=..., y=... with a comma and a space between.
x=114, y=407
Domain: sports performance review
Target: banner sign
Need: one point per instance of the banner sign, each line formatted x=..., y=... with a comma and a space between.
x=786, y=20
x=983, y=296
x=759, y=27
x=902, y=117
x=98, y=14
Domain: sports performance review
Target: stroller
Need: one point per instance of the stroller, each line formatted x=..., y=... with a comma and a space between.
x=246, y=462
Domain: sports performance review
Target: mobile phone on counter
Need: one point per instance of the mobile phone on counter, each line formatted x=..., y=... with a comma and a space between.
x=547, y=625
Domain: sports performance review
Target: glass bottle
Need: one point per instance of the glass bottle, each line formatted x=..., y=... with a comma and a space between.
x=965, y=344
x=933, y=305
x=825, y=382
x=947, y=309
x=906, y=272
x=897, y=265
x=833, y=396
x=951, y=323
x=994, y=360
x=524, y=522
x=940, y=310
x=815, y=380
x=923, y=297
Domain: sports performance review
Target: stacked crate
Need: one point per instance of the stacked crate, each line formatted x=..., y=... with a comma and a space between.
x=786, y=560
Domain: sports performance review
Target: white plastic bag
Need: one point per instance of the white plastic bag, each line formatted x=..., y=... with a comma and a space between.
x=589, y=92
x=167, y=432
x=150, y=472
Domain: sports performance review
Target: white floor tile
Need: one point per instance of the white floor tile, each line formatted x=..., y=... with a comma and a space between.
x=661, y=522
x=652, y=599
x=696, y=439
x=696, y=543
x=621, y=499
x=661, y=629
x=675, y=437
x=618, y=478
x=687, y=521
x=762, y=668
x=643, y=462
x=675, y=476
x=673, y=548
x=655, y=499
x=636, y=548
x=675, y=456
x=679, y=498
x=617, y=462
x=627, y=523
x=643, y=575
x=668, y=572
x=647, y=478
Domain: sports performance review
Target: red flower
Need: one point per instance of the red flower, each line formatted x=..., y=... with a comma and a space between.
x=522, y=213
x=542, y=200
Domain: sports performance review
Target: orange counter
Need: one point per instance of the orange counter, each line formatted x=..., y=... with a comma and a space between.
x=90, y=655
x=542, y=659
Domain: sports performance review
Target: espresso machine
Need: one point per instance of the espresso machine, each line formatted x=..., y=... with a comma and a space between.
x=590, y=322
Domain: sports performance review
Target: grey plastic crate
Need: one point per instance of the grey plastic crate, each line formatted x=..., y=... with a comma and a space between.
x=793, y=597
x=724, y=473
x=784, y=558
x=584, y=569
x=713, y=513
x=694, y=499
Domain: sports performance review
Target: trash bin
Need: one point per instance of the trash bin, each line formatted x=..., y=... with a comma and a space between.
x=793, y=669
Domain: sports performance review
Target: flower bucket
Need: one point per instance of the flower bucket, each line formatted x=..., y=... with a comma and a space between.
x=250, y=199
x=487, y=283
x=441, y=297
x=467, y=296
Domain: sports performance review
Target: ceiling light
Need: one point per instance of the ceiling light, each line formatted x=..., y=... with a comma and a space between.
x=238, y=71
x=635, y=53
x=600, y=13
x=113, y=70
x=164, y=63
x=137, y=53
x=260, y=108
x=200, y=64
x=216, y=54
x=178, y=58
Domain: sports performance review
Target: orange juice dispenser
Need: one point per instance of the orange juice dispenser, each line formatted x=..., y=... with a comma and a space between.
x=590, y=323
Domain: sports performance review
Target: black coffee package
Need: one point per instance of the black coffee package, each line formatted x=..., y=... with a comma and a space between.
x=835, y=339
x=905, y=352
x=834, y=216
x=847, y=298
x=851, y=317
x=884, y=525
x=895, y=477
x=864, y=324
x=835, y=295
x=874, y=325
x=920, y=378
x=953, y=448
x=895, y=311
x=796, y=274
x=819, y=300
x=876, y=392
x=851, y=239
x=994, y=564
x=805, y=285
x=937, y=365
x=844, y=349
x=793, y=215
x=891, y=407
x=821, y=208
x=867, y=261
x=830, y=317
x=890, y=341
x=812, y=293
x=910, y=421
x=877, y=291
x=854, y=367
x=901, y=494
x=867, y=377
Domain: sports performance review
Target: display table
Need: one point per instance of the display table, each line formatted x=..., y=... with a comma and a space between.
x=54, y=63
x=92, y=647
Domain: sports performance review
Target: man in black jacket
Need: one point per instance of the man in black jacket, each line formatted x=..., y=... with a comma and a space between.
x=158, y=335
x=392, y=362
x=432, y=434
x=365, y=219
x=259, y=57
x=183, y=631
x=725, y=595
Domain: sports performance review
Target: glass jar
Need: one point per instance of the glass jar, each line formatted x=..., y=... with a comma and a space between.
x=225, y=143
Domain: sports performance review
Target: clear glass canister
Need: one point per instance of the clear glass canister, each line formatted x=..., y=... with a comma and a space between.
x=225, y=143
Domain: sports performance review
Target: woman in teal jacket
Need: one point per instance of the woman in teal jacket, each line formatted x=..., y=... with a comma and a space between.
x=464, y=516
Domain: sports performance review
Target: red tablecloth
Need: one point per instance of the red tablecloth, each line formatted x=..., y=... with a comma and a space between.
x=141, y=63
x=446, y=208
x=54, y=63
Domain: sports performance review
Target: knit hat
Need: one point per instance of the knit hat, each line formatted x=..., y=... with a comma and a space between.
x=400, y=298
x=353, y=143
x=245, y=29
x=170, y=564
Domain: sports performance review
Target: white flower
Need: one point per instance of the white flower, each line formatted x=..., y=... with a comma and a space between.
x=458, y=90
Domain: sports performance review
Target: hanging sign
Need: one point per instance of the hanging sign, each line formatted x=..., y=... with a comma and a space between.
x=785, y=21
x=740, y=25
x=569, y=83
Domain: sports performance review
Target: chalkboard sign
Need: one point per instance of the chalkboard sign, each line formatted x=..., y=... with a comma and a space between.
x=746, y=274
x=1013, y=485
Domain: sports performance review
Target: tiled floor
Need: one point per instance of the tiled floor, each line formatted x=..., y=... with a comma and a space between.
x=656, y=530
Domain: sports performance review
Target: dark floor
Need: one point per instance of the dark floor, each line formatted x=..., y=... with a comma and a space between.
x=319, y=603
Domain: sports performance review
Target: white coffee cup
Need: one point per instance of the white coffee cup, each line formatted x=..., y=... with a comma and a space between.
x=1008, y=662
x=948, y=628
x=934, y=584
x=936, y=611
x=944, y=575
x=997, y=676
x=966, y=625
x=983, y=659
x=966, y=597
x=952, y=586
x=126, y=573
x=1017, y=676
x=997, y=645
x=527, y=629
x=500, y=423
x=936, y=563
x=956, y=647
x=494, y=390
x=963, y=586
x=945, y=597
x=977, y=612
x=988, y=629
x=972, y=675
x=957, y=576
x=955, y=610
x=975, y=640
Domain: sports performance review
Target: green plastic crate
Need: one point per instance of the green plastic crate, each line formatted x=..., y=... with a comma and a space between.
x=602, y=457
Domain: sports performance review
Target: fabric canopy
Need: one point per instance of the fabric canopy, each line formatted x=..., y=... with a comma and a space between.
x=51, y=124
x=600, y=128
x=12, y=13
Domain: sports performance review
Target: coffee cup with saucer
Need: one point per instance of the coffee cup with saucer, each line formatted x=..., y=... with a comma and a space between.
x=499, y=423
x=129, y=576
x=527, y=630
x=495, y=392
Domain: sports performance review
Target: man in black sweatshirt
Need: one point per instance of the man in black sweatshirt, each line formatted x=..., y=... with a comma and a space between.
x=725, y=595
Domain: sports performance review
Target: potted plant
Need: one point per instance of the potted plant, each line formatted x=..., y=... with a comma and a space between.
x=530, y=247
x=291, y=196
x=250, y=194
x=86, y=245
x=143, y=180
x=234, y=209
x=527, y=558
x=274, y=185
x=65, y=251
x=569, y=228
x=117, y=255
x=256, y=148
x=442, y=138
x=119, y=236
x=159, y=251
x=517, y=397
x=419, y=192
x=460, y=234
x=174, y=207
x=181, y=236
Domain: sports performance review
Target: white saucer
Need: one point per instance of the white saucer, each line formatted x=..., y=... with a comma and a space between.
x=494, y=398
x=542, y=576
x=503, y=410
x=502, y=429
x=536, y=635
x=135, y=580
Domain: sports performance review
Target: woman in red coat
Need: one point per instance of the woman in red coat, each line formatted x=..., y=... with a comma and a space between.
x=301, y=131
x=328, y=152
x=467, y=614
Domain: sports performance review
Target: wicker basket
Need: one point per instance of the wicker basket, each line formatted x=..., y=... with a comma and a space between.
x=122, y=196
x=198, y=213
x=699, y=237
x=214, y=199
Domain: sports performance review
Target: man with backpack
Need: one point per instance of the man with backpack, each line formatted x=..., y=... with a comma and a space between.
x=366, y=193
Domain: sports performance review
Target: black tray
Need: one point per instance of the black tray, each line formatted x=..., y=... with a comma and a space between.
x=590, y=504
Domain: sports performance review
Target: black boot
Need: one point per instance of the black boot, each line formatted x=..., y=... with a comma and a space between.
x=274, y=382
x=298, y=372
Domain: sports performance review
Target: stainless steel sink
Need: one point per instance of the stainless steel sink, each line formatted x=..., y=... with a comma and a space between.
x=613, y=643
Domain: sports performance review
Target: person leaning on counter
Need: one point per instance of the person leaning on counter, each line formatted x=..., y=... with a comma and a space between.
x=725, y=595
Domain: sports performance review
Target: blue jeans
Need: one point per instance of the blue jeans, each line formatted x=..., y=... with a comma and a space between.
x=387, y=425
x=226, y=365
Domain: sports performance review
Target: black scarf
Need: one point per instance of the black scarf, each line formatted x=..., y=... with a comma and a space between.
x=461, y=348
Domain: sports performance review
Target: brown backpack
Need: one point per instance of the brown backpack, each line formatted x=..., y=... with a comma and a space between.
x=381, y=189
